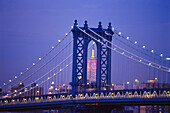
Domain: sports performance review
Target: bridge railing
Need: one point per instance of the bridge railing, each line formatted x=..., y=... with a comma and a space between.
x=149, y=93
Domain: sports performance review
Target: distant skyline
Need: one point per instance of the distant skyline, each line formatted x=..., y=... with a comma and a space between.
x=28, y=29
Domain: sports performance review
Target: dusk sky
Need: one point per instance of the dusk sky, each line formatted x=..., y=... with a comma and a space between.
x=28, y=28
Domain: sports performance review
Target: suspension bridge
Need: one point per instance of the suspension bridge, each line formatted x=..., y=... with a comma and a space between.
x=60, y=79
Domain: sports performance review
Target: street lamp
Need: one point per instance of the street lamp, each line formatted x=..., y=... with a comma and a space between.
x=136, y=80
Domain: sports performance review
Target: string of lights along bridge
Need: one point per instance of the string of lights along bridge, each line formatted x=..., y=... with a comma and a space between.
x=91, y=66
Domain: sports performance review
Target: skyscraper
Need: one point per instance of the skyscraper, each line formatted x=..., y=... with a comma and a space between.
x=91, y=68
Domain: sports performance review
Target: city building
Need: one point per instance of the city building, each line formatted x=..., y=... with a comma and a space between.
x=33, y=90
x=91, y=68
x=119, y=86
x=19, y=90
x=136, y=84
x=52, y=89
x=16, y=90
x=153, y=84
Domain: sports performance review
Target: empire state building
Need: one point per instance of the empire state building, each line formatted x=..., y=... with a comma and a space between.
x=91, y=68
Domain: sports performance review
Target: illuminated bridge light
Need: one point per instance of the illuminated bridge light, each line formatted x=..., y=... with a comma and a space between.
x=149, y=64
x=167, y=58
x=4, y=84
x=27, y=68
x=113, y=28
x=21, y=73
x=114, y=49
x=39, y=58
x=66, y=34
x=72, y=27
x=15, y=76
x=152, y=51
x=140, y=60
x=54, y=74
x=37, y=98
x=119, y=33
x=20, y=83
x=127, y=38
x=52, y=47
x=9, y=80
x=60, y=69
x=135, y=42
x=143, y=47
x=33, y=64
x=161, y=55
x=48, y=78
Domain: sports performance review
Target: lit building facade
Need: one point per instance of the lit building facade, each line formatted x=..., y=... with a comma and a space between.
x=91, y=68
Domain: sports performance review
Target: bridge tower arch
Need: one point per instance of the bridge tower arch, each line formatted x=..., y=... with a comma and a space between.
x=80, y=51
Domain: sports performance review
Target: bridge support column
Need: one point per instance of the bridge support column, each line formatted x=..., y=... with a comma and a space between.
x=73, y=110
x=138, y=109
x=81, y=38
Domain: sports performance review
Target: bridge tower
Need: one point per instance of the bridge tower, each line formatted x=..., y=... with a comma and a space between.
x=80, y=51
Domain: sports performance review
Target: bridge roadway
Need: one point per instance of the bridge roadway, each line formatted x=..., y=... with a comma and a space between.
x=104, y=100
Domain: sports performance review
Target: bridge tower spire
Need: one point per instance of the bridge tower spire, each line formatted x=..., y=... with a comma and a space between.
x=80, y=50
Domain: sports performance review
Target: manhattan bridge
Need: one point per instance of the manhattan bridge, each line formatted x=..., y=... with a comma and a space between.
x=125, y=73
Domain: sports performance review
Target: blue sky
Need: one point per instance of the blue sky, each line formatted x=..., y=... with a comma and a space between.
x=28, y=28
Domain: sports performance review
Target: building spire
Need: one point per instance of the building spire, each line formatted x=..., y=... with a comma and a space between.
x=92, y=52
